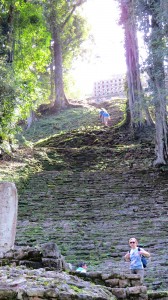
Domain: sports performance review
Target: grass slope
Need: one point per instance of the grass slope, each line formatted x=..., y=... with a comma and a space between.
x=73, y=136
x=67, y=120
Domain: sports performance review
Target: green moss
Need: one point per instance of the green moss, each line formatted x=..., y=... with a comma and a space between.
x=113, y=248
x=157, y=294
x=75, y=288
x=33, y=231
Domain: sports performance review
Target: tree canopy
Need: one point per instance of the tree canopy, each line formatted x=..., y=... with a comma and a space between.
x=29, y=29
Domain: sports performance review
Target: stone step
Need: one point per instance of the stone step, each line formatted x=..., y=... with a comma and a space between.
x=91, y=216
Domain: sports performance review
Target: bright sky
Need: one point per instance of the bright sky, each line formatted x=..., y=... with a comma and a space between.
x=108, y=56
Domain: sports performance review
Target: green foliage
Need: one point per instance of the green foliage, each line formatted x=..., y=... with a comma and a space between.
x=32, y=55
x=25, y=54
x=7, y=103
x=75, y=288
x=7, y=89
x=75, y=33
x=24, y=57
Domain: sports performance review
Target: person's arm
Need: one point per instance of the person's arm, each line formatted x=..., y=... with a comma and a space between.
x=127, y=256
x=144, y=253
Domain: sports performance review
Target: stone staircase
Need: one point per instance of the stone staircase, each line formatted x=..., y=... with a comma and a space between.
x=92, y=196
x=91, y=214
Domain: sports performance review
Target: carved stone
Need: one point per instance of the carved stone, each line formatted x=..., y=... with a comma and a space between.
x=8, y=215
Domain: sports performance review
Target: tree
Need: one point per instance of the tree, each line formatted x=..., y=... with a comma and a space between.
x=135, y=93
x=157, y=76
x=32, y=55
x=61, y=19
x=153, y=19
x=24, y=56
x=7, y=86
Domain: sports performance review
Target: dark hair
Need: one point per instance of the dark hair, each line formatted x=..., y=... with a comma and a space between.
x=81, y=264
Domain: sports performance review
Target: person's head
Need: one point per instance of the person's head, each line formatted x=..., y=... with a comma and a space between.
x=82, y=265
x=133, y=242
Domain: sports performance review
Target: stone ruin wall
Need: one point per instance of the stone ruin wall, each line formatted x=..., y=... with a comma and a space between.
x=39, y=273
x=20, y=280
x=50, y=264
x=115, y=86
x=112, y=87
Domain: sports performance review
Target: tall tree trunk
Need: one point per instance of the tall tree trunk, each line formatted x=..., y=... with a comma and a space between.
x=60, y=101
x=149, y=120
x=161, y=143
x=57, y=23
x=10, y=34
x=52, y=76
x=158, y=78
x=132, y=59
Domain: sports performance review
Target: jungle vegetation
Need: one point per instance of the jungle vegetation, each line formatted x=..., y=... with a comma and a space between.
x=38, y=42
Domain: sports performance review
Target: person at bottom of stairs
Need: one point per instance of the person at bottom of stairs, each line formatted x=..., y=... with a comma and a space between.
x=134, y=255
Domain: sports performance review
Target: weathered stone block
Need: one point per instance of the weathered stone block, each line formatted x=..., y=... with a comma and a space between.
x=112, y=282
x=120, y=293
x=134, y=290
x=105, y=276
x=94, y=275
x=132, y=276
x=136, y=282
x=7, y=294
x=124, y=283
x=8, y=215
x=51, y=293
x=35, y=292
x=30, y=264
x=52, y=263
x=113, y=275
x=36, y=298
x=50, y=250
x=162, y=295
x=143, y=289
x=144, y=297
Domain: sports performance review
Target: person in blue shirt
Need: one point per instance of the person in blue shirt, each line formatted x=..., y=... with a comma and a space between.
x=82, y=267
x=104, y=116
x=134, y=256
x=101, y=114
